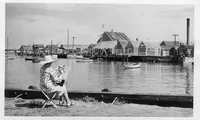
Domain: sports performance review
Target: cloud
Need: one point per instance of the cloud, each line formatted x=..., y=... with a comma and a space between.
x=42, y=23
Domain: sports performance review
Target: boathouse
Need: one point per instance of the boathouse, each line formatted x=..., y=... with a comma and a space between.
x=167, y=45
x=51, y=49
x=132, y=48
x=149, y=49
x=111, y=43
x=25, y=49
x=120, y=47
x=38, y=49
x=105, y=48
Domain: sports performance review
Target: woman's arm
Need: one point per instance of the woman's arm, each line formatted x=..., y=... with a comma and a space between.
x=55, y=76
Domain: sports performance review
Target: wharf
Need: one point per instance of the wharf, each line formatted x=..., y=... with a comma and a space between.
x=137, y=58
x=185, y=101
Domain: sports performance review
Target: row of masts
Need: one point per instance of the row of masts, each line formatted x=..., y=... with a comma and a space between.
x=59, y=42
x=68, y=40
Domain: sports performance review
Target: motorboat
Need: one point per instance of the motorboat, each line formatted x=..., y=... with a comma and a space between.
x=132, y=66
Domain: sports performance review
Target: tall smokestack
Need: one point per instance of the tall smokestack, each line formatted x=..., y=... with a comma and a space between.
x=188, y=30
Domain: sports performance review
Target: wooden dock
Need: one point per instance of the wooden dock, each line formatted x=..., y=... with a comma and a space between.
x=137, y=58
x=150, y=99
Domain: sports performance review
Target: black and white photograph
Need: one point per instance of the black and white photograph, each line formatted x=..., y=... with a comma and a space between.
x=99, y=59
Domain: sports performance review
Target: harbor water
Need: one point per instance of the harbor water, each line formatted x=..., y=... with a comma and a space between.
x=151, y=78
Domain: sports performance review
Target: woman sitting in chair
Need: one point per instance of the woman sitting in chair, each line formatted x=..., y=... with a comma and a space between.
x=49, y=77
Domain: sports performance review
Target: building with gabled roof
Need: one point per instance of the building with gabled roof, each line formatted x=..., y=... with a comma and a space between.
x=51, y=49
x=149, y=48
x=25, y=49
x=167, y=45
x=132, y=47
x=38, y=49
x=120, y=47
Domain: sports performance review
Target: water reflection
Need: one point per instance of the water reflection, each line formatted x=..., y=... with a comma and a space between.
x=157, y=78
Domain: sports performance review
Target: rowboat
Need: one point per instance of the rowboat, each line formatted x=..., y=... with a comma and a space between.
x=132, y=66
x=84, y=60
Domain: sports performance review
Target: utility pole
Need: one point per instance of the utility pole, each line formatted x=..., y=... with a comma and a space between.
x=174, y=39
x=73, y=42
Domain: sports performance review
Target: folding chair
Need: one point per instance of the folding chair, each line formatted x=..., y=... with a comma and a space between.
x=49, y=99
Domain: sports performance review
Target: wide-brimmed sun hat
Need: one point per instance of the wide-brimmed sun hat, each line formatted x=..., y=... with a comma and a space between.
x=47, y=59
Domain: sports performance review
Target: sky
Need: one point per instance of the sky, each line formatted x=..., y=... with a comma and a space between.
x=39, y=23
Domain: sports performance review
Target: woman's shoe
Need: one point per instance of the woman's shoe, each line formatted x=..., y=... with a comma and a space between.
x=61, y=102
x=71, y=104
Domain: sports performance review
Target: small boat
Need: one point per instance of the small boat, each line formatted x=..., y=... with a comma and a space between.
x=84, y=60
x=29, y=58
x=79, y=57
x=132, y=66
x=71, y=56
x=9, y=58
x=74, y=56
x=37, y=60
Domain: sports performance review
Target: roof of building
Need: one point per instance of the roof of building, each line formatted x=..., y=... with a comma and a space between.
x=171, y=43
x=151, y=44
x=26, y=47
x=135, y=43
x=106, y=44
x=91, y=46
x=112, y=36
x=99, y=40
x=75, y=46
x=123, y=43
x=166, y=47
x=38, y=45
x=48, y=46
